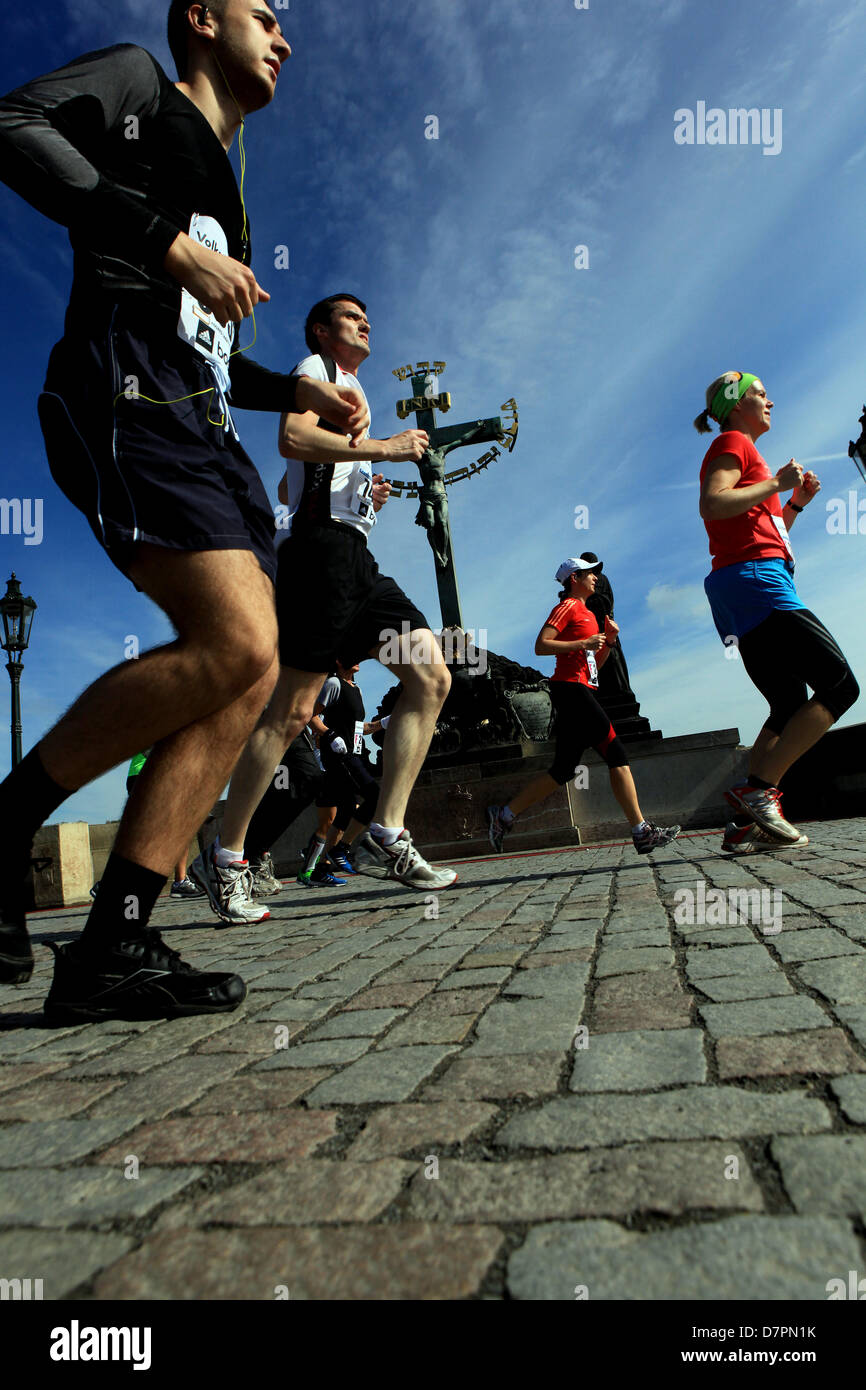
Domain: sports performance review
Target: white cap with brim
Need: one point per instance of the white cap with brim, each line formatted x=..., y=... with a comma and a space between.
x=568, y=567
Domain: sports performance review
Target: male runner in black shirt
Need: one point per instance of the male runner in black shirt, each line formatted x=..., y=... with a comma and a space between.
x=136, y=414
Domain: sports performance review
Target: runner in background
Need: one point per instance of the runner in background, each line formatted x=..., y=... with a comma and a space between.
x=572, y=635
x=755, y=605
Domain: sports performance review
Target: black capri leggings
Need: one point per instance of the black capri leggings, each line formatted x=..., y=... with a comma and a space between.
x=789, y=651
x=347, y=782
x=581, y=723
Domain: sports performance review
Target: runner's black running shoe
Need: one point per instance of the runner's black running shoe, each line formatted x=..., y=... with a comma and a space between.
x=142, y=978
x=16, y=900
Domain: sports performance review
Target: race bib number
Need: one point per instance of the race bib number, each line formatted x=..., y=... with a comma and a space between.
x=364, y=499
x=592, y=668
x=197, y=325
x=782, y=529
x=358, y=742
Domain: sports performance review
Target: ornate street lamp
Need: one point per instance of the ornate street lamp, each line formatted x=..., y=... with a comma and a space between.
x=17, y=614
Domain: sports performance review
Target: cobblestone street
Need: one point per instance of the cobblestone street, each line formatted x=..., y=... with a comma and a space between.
x=578, y=1070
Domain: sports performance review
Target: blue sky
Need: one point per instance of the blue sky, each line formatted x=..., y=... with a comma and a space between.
x=556, y=129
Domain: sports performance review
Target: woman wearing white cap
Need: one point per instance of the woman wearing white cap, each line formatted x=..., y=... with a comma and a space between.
x=571, y=634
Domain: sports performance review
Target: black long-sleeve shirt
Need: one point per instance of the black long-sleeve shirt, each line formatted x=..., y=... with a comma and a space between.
x=108, y=147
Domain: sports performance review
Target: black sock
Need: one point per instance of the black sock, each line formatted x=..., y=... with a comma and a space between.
x=28, y=797
x=122, y=908
x=757, y=782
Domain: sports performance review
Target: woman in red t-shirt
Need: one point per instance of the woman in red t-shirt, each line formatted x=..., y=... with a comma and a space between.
x=572, y=635
x=757, y=609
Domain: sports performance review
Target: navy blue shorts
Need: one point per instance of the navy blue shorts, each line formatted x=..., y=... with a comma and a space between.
x=332, y=602
x=165, y=473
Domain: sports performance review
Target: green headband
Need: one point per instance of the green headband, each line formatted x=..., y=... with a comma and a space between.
x=730, y=393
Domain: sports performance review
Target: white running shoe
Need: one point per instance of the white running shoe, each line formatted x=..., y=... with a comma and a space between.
x=400, y=861
x=265, y=881
x=229, y=890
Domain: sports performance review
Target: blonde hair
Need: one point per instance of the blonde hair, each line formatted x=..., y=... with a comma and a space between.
x=702, y=421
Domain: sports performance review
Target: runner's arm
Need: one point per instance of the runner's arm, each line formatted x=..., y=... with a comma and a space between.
x=49, y=126
x=548, y=645
x=721, y=499
x=302, y=438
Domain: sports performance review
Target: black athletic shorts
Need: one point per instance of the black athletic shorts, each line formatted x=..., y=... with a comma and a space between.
x=790, y=650
x=333, y=602
x=163, y=473
x=581, y=723
x=348, y=785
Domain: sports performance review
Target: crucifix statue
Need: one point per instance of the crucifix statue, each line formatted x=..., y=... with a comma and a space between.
x=432, y=494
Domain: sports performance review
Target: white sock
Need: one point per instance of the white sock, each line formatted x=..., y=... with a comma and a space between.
x=385, y=834
x=640, y=827
x=226, y=857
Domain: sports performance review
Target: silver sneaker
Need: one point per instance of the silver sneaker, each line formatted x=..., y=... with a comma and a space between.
x=400, y=861
x=765, y=809
x=265, y=881
x=229, y=890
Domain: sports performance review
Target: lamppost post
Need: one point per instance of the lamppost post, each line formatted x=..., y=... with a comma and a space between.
x=17, y=613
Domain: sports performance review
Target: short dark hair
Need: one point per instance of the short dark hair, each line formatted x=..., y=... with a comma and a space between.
x=178, y=30
x=323, y=313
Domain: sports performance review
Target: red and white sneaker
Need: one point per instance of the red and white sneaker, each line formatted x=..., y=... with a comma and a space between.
x=751, y=839
x=765, y=809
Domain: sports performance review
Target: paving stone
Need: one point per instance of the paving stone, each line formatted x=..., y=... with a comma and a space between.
x=14, y=1074
x=46, y=1143
x=412, y=1260
x=450, y=1028
x=62, y=1260
x=568, y=981
x=717, y=936
x=624, y=962
x=259, y=1137
x=475, y=979
x=432, y=1126
x=553, y=956
x=170, y=1087
x=695, y=1112
x=840, y=981
x=288, y=1010
x=355, y=1023
x=815, y=944
x=500, y=1078
x=300, y=1192
x=256, y=1039
x=481, y=960
x=445, y=1002
x=635, y=989
x=330, y=1052
x=757, y=1017
x=527, y=1025
x=665, y=1178
x=850, y=1091
x=704, y=963
x=638, y=940
x=390, y=996
x=756, y=1258
x=660, y=1011
x=569, y=936
x=820, y=1052
x=762, y=984
x=639, y=1061
x=854, y=1018
x=412, y=971
x=50, y=1099
x=55, y=1197
x=260, y=1093
x=152, y=1049
x=825, y=1173
x=391, y=1074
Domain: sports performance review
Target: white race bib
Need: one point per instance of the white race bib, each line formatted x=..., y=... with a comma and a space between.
x=358, y=742
x=364, y=496
x=197, y=325
x=782, y=529
x=592, y=668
